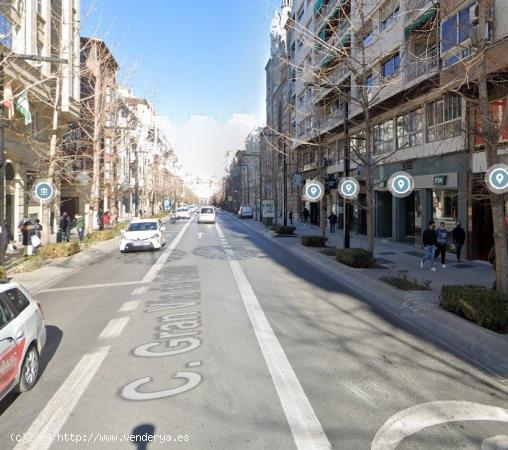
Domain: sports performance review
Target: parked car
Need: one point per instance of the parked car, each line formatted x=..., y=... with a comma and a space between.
x=143, y=234
x=22, y=338
x=245, y=212
x=183, y=212
x=206, y=214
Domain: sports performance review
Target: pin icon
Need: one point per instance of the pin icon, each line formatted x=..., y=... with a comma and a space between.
x=401, y=184
x=349, y=187
x=499, y=178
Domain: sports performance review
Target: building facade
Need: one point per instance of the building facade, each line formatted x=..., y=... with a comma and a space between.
x=399, y=78
x=39, y=47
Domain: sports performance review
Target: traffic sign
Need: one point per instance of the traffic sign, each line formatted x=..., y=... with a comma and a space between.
x=401, y=184
x=496, y=179
x=313, y=191
x=349, y=188
x=43, y=191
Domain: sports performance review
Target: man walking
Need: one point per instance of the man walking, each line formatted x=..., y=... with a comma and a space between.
x=290, y=215
x=306, y=215
x=64, y=226
x=458, y=238
x=333, y=220
x=429, y=244
x=442, y=240
x=80, y=226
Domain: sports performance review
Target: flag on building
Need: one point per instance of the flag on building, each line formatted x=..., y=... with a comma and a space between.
x=8, y=102
x=23, y=107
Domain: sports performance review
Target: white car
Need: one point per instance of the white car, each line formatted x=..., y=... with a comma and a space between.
x=143, y=234
x=183, y=212
x=206, y=214
x=245, y=212
x=22, y=338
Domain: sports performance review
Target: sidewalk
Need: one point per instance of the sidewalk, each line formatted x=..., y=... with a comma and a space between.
x=400, y=256
x=416, y=309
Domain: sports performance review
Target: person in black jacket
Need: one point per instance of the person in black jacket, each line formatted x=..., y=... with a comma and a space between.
x=429, y=244
x=458, y=238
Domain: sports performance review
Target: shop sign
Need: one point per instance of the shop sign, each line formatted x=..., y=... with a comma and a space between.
x=440, y=180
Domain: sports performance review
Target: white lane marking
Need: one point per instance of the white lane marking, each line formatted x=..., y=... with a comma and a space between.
x=495, y=443
x=114, y=328
x=305, y=427
x=152, y=273
x=51, y=419
x=411, y=420
x=200, y=235
x=92, y=286
x=140, y=290
x=129, y=306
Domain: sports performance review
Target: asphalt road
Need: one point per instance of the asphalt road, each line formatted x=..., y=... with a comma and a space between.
x=224, y=341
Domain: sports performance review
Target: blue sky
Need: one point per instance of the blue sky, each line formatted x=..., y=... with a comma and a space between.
x=201, y=64
x=192, y=56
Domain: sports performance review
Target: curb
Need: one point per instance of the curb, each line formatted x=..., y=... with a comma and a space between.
x=482, y=347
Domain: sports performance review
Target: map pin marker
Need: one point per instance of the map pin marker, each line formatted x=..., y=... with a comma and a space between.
x=401, y=184
x=499, y=177
x=349, y=187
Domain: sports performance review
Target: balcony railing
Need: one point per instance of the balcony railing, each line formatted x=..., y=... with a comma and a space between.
x=423, y=64
x=331, y=119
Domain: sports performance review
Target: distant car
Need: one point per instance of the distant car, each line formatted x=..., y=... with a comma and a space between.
x=143, y=234
x=183, y=212
x=245, y=212
x=22, y=338
x=206, y=214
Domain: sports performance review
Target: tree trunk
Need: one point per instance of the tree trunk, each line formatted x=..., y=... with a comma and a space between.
x=46, y=209
x=491, y=138
x=96, y=174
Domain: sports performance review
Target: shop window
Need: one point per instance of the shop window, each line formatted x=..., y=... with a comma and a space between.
x=410, y=129
x=383, y=137
x=445, y=206
x=444, y=118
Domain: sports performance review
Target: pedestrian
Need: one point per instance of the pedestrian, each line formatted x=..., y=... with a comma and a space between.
x=333, y=220
x=80, y=226
x=429, y=245
x=38, y=228
x=64, y=224
x=306, y=215
x=8, y=237
x=290, y=215
x=442, y=240
x=458, y=238
x=27, y=232
x=106, y=219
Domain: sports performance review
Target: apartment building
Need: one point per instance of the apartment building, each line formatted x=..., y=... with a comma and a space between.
x=29, y=32
x=406, y=70
x=277, y=155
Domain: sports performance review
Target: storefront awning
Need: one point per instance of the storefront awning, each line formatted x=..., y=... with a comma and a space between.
x=424, y=18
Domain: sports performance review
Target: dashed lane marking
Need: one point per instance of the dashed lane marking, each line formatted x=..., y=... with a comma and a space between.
x=114, y=328
x=52, y=418
x=129, y=306
x=305, y=427
x=140, y=290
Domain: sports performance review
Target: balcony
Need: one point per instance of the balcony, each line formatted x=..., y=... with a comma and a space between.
x=332, y=119
x=423, y=64
x=415, y=8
